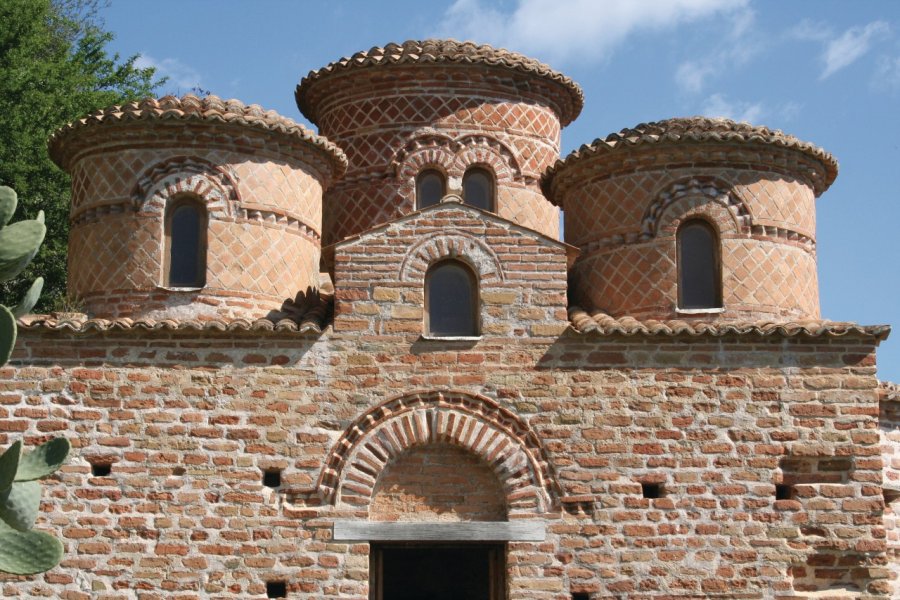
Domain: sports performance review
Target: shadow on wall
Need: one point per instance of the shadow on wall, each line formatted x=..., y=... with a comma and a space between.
x=573, y=351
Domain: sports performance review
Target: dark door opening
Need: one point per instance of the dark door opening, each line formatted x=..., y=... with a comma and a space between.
x=437, y=572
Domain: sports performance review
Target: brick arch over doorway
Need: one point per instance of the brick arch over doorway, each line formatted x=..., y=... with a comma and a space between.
x=471, y=422
x=438, y=482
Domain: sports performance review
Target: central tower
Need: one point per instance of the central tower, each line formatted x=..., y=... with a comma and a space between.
x=425, y=118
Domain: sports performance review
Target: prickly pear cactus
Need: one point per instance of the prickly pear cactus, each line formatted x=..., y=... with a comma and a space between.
x=23, y=551
x=19, y=242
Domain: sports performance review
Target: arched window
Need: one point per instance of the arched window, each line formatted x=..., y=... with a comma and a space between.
x=431, y=186
x=699, y=268
x=451, y=300
x=478, y=189
x=185, y=232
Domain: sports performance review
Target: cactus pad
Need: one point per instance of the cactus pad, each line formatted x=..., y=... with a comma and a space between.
x=28, y=552
x=20, y=503
x=8, y=203
x=43, y=460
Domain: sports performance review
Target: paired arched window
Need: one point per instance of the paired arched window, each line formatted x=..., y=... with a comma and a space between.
x=185, y=243
x=478, y=188
x=699, y=266
x=451, y=299
x=431, y=186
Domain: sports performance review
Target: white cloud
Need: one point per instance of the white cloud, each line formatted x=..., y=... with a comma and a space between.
x=850, y=46
x=735, y=47
x=718, y=105
x=811, y=31
x=691, y=76
x=887, y=76
x=561, y=29
x=757, y=113
x=181, y=76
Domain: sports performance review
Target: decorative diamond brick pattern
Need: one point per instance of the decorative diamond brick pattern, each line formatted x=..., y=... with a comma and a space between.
x=435, y=108
x=284, y=187
x=255, y=258
x=113, y=175
x=760, y=279
x=773, y=278
x=637, y=279
x=114, y=254
x=609, y=207
x=779, y=201
x=528, y=208
x=353, y=209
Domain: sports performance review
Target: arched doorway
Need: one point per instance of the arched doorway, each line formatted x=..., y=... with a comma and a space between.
x=438, y=475
x=438, y=483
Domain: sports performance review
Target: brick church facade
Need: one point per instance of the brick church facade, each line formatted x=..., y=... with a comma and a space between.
x=359, y=364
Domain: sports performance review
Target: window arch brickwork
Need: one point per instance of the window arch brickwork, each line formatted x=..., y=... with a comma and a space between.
x=451, y=244
x=216, y=187
x=469, y=421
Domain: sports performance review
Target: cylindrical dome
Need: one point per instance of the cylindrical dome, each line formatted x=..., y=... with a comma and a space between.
x=445, y=108
x=193, y=208
x=694, y=217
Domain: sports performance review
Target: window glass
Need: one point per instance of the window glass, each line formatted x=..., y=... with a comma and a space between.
x=429, y=188
x=451, y=299
x=698, y=266
x=478, y=189
x=186, y=245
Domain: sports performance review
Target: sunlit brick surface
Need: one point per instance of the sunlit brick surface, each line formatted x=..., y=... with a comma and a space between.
x=438, y=482
x=190, y=420
x=625, y=219
x=264, y=221
x=386, y=119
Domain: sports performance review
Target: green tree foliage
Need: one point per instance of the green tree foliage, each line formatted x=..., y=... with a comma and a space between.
x=54, y=68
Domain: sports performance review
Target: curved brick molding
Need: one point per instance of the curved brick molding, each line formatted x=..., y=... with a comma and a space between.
x=452, y=244
x=259, y=175
x=216, y=186
x=470, y=421
x=443, y=104
x=626, y=195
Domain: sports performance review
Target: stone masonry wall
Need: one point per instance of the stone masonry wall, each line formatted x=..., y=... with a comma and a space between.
x=521, y=274
x=189, y=421
x=889, y=424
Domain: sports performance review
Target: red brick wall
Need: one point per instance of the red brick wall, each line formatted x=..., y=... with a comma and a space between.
x=393, y=122
x=264, y=205
x=438, y=482
x=889, y=424
x=623, y=213
x=379, y=276
x=189, y=421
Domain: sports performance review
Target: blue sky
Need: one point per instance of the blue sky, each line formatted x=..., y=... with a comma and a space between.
x=827, y=71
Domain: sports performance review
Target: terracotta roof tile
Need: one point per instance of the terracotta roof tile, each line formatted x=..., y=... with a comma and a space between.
x=600, y=323
x=681, y=130
x=434, y=51
x=192, y=108
x=295, y=316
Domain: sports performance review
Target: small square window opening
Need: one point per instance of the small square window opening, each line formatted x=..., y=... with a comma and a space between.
x=784, y=491
x=276, y=589
x=271, y=478
x=652, y=490
x=101, y=469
